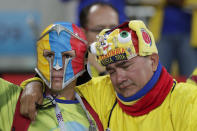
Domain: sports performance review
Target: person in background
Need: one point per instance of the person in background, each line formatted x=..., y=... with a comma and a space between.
x=193, y=77
x=138, y=94
x=93, y=19
x=119, y=5
x=174, y=27
x=60, y=61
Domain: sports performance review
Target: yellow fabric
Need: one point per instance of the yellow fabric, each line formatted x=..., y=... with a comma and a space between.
x=9, y=94
x=117, y=46
x=74, y=116
x=177, y=112
x=24, y=83
x=94, y=71
x=42, y=62
x=144, y=48
x=194, y=29
x=156, y=21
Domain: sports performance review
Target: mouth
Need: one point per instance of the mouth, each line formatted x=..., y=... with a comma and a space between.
x=123, y=86
x=57, y=78
x=126, y=84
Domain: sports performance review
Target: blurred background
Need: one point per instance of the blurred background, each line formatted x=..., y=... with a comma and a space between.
x=21, y=22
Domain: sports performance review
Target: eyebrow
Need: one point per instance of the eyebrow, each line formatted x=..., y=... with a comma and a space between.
x=119, y=64
x=47, y=52
x=108, y=68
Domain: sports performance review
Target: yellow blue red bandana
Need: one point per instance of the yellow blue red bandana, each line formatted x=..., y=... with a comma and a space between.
x=123, y=42
x=58, y=38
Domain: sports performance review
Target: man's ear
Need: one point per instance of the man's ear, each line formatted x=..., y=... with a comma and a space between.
x=155, y=61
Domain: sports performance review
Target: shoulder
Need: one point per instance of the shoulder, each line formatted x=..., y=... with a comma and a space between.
x=184, y=93
x=6, y=86
x=9, y=94
x=185, y=88
x=96, y=83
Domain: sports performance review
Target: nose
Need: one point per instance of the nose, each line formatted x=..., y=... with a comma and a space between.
x=120, y=75
x=57, y=64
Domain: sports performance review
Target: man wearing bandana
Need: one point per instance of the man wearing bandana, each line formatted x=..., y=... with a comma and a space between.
x=60, y=61
x=138, y=94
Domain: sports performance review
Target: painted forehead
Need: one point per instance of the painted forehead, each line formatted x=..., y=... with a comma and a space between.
x=60, y=42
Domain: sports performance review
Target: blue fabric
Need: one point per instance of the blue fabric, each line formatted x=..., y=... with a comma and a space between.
x=146, y=88
x=176, y=20
x=67, y=101
x=63, y=101
x=174, y=43
x=177, y=47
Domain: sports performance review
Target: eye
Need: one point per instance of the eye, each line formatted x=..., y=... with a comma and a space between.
x=48, y=54
x=125, y=67
x=66, y=56
x=111, y=72
x=124, y=37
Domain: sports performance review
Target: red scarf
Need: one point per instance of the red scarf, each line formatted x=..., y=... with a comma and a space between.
x=153, y=98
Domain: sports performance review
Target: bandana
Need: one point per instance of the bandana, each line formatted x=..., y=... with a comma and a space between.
x=123, y=42
x=59, y=38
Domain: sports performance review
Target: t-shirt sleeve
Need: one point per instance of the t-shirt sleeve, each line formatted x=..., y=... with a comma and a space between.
x=9, y=94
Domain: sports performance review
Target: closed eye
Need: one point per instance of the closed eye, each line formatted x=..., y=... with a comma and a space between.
x=110, y=70
x=69, y=54
x=48, y=54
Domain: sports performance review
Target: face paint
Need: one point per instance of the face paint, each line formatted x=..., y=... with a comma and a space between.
x=59, y=39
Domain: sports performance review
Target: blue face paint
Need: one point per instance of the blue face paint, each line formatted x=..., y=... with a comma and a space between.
x=62, y=37
x=59, y=44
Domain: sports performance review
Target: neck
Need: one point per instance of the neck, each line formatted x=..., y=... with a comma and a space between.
x=68, y=92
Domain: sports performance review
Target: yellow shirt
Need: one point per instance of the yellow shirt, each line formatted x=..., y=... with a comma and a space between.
x=176, y=113
x=74, y=116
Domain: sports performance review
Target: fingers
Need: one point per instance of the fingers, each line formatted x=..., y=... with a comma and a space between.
x=32, y=112
x=27, y=107
x=31, y=94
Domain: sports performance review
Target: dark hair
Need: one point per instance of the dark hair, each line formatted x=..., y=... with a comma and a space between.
x=85, y=11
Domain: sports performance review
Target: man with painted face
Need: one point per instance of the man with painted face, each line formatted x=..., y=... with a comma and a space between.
x=60, y=61
x=138, y=94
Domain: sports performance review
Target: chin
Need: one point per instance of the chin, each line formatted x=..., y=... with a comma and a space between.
x=56, y=87
x=127, y=94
